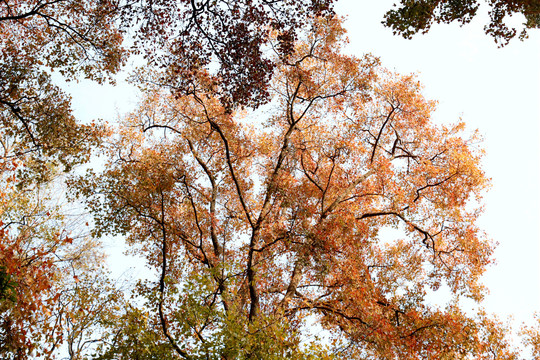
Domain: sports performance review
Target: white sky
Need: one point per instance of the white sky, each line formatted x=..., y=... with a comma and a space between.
x=494, y=90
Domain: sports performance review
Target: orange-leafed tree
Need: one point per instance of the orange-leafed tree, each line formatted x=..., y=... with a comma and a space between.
x=260, y=225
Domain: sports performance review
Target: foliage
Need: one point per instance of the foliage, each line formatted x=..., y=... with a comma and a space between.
x=413, y=16
x=36, y=38
x=259, y=224
x=40, y=262
x=86, y=308
x=257, y=178
x=224, y=42
x=531, y=337
x=39, y=136
x=7, y=286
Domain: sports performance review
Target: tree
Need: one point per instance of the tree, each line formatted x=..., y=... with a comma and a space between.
x=40, y=266
x=224, y=41
x=36, y=38
x=413, y=16
x=531, y=337
x=84, y=311
x=259, y=223
x=41, y=263
x=39, y=136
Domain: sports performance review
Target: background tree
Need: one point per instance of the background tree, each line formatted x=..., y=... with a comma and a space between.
x=225, y=42
x=36, y=38
x=260, y=223
x=42, y=263
x=39, y=136
x=85, y=310
x=413, y=16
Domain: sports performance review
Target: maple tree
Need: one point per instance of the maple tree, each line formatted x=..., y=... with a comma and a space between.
x=413, y=16
x=259, y=224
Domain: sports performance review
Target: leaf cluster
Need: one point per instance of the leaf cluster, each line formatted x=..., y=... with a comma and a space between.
x=224, y=42
x=413, y=16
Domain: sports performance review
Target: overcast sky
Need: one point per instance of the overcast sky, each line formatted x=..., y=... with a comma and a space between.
x=494, y=90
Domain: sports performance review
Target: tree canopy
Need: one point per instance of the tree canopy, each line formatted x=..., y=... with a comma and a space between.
x=259, y=178
x=414, y=16
x=223, y=41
